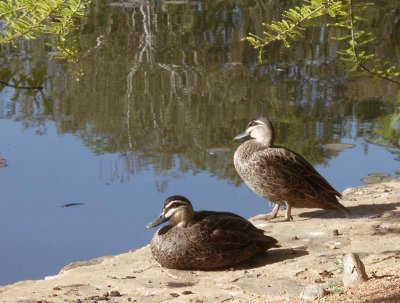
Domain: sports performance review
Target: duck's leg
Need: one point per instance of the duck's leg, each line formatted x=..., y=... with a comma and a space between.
x=274, y=211
x=288, y=213
x=268, y=216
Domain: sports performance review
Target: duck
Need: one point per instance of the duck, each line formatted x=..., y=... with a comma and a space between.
x=281, y=175
x=203, y=240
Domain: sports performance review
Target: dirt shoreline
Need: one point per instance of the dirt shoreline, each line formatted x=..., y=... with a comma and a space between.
x=310, y=255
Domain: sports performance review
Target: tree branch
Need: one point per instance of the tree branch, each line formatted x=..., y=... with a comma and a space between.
x=355, y=52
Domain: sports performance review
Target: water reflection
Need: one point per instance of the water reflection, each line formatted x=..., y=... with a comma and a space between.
x=157, y=85
x=161, y=85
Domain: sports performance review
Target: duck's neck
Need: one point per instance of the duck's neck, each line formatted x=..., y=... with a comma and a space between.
x=182, y=218
x=266, y=141
x=265, y=137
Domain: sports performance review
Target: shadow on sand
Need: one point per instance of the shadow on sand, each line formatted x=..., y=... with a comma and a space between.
x=270, y=257
x=358, y=211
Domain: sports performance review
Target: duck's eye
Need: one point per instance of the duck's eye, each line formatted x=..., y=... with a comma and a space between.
x=174, y=205
x=253, y=123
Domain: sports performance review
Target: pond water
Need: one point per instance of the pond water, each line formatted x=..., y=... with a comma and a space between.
x=150, y=108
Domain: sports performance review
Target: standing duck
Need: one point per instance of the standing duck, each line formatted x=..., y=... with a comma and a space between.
x=280, y=175
x=204, y=239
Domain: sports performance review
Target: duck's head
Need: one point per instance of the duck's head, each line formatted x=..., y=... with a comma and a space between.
x=261, y=130
x=177, y=210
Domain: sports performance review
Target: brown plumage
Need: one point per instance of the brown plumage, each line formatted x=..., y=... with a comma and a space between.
x=204, y=239
x=279, y=174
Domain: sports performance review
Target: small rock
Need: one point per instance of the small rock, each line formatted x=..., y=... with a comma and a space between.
x=78, y=301
x=174, y=294
x=335, y=232
x=353, y=270
x=115, y=293
x=187, y=292
x=56, y=288
x=295, y=238
x=312, y=292
x=332, y=244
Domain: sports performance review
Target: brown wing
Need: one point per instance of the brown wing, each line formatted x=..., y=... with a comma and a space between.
x=281, y=175
x=308, y=172
x=286, y=171
x=231, y=230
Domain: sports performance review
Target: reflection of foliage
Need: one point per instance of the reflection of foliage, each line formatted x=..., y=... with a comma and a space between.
x=31, y=18
x=388, y=130
x=168, y=109
x=297, y=19
x=388, y=133
x=21, y=80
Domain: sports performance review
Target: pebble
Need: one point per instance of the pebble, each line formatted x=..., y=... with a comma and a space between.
x=312, y=292
x=335, y=232
x=332, y=244
x=187, y=292
x=115, y=293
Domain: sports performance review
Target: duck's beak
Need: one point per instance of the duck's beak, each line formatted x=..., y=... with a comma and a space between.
x=242, y=135
x=159, y=220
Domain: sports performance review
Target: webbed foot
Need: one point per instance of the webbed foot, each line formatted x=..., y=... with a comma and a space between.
x=266, y=217
x=269, y=216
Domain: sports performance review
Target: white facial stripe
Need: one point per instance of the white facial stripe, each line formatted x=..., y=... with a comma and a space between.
x=255, y=124
x=170, y=203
